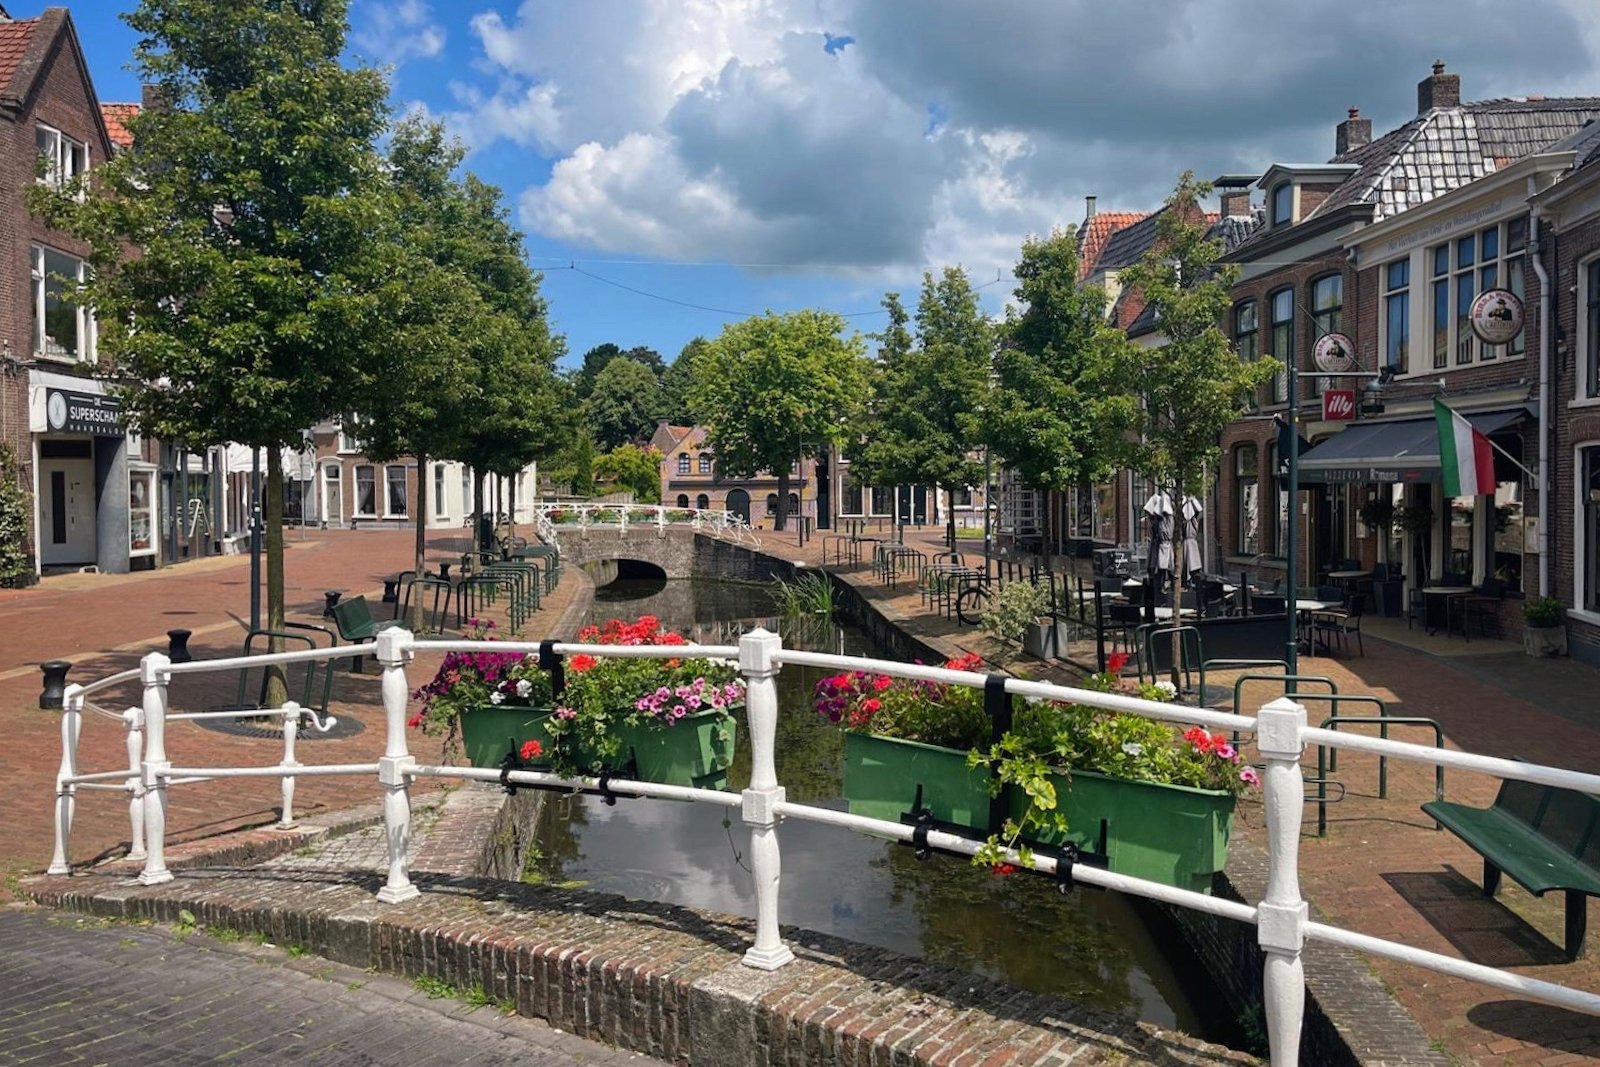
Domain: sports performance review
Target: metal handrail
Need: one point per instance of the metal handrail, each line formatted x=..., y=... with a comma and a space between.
x=1280, y=728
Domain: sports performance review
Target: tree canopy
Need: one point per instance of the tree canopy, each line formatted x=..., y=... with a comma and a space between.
x=634, y=468
x=600, y=356
x=623, y=404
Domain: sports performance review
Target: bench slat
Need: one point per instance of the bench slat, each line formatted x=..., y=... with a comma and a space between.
x=1515, y=848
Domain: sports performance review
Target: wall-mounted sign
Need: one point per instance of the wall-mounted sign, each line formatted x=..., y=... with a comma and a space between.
x=69, y=411
x=1496, y=316
x=1334, y=353
x=1338, y=405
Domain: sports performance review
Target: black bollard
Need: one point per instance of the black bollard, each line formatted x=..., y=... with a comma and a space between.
x=444, y=571
x=55, y=684
x=178, y=646
x=330, y=600
x=391, y=591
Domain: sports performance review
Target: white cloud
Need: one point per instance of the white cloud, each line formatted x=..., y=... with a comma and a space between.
x=723, y=129
x=394, y=33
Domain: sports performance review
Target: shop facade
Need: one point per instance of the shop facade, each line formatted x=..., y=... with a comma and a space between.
x=94, y=501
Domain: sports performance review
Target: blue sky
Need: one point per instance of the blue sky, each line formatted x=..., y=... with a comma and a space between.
x=742, y=155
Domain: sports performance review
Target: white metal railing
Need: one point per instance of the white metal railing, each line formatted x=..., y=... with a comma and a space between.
x=551, y=519
x=1280, y=729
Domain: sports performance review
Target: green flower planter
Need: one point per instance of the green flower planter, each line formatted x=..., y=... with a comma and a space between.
x=881, y=775
x=489, y=731
x=697, y=750
x=1167, y=833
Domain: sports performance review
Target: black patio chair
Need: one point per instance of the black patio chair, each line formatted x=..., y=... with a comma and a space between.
x=1340, y=625
x=1484, y=605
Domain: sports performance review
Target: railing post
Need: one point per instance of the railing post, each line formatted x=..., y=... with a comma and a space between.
x=291, y=727
x=394, y=650
x=761, y=799
x=134, y=718
x=1281, y=917
x=67, y=792
x=661, y=520
x=155, y=671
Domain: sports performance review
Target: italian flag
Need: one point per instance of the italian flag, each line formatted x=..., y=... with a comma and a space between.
x=1464, y=454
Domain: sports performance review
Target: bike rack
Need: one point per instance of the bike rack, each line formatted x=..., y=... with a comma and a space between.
x=1384, y=721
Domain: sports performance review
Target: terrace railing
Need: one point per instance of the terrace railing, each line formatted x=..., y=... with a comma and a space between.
x=552, y=520
x=1280, y=728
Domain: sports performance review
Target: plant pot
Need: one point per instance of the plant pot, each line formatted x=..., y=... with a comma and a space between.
x=1544, y=641
x=1174, y=834
x=490, y=731
x=882, y=775
x=1039, y=640
x=697, y=750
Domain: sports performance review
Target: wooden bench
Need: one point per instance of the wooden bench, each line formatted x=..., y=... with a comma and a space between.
x=1543, y=837
x=355, y=623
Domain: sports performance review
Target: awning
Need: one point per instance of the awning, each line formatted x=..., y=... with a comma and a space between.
x=1404, y=450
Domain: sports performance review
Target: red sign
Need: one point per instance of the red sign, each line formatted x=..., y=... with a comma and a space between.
x=1338, y=405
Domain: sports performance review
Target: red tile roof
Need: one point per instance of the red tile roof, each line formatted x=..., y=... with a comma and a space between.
x=1096, y=232
x=116, y=117
x=14, y=39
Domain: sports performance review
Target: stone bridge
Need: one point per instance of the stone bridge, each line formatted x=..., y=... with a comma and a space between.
x=641, y=551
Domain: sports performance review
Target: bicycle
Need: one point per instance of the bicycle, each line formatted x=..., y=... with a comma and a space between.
x=970, y=603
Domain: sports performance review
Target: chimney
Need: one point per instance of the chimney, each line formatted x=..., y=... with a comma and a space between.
x=1235, y=202
x=1088, y=207
x=1352, y=133
x=1439, y=90
x=151, y=98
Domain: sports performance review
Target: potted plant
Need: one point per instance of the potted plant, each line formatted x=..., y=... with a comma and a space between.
x=660, y=720
x=1377, y=514
x=489, y=703
x=907, y=743
x=1544, y=633
x=1153, y=801
x=1014, y=618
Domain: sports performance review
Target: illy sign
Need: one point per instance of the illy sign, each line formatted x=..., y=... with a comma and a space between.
x=1338, y=405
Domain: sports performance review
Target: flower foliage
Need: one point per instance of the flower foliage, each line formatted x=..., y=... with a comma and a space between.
x=929, y=712
x=605, y=693
x=467, y=680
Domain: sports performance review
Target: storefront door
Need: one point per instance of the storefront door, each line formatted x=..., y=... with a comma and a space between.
x=66, y=505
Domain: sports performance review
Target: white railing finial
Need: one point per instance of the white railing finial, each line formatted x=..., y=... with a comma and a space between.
x=1282, y=915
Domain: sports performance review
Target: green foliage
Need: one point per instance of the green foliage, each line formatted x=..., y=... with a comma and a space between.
x=632, y=468
x=1193, y=386
x=16, y=522
x=623, y=403
x=952, y=716
x=1059, y=411
x=598, y=358
x=1377, y=513
x=1414, y=518
x=1012, y=610
x=1542, y=611
x=465, y=681
x=928, y=397
x=678, y=381
x=809, y=596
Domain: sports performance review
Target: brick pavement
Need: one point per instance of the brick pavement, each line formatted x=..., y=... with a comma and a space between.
x=85, y=991
x=104, y=623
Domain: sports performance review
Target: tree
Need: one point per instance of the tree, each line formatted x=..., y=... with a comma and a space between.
x=633, y=468
x=250, y=198
x=1194, y=385
x=774, y=389
x=927, y=398
x=1059, y=410
x=623, y=403
x=600, y=356
x=16, y=524
x=678, y=381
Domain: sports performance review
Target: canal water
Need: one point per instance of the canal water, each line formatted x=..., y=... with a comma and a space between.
x=1088, y=945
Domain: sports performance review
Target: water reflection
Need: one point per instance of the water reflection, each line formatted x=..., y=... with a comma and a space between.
x=1088, y=945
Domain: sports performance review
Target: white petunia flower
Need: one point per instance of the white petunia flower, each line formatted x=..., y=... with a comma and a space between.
x=496, y=697
x=524, y=687
x=1168, y=690
x=1132, y=748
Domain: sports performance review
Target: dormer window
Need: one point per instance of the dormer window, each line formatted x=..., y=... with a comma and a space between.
x=1282, y=204
x=64, y=159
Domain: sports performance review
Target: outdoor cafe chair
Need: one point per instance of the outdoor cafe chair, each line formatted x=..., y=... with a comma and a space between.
x=1483, y=605
x=1341, y=624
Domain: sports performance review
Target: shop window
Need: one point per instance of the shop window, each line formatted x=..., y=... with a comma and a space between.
x=961, y=498
x=1247, y=497
x=1492, y=258
x=61, y=329
x=882, y=501
x=1397, y=315
x=395, y=479
x=683, y=463
x=1460, y=554
x=440, y=511
x=367, y=491
x=1281, y=305
x=1590, y=327
x=705, y=463
x=61, y=158
x=1589, y=507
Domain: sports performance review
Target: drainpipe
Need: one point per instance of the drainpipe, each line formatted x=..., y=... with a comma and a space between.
x=1537, y=254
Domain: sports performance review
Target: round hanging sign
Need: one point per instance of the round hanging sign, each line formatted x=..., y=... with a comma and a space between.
x=1334, y=353
x=1496, y=316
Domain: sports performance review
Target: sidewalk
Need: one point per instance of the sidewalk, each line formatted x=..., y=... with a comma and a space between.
x=104, y=623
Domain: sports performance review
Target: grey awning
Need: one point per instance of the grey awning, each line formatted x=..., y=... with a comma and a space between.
x=1405, y=450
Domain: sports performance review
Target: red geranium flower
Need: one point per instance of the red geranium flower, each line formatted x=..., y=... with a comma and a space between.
x=871, y=705
x=1000, y=870
x=532, y=750
x=1115, y=662
x=882, y=682
x=582, y=662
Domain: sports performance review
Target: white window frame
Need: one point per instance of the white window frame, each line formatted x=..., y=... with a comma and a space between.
x=705, y=463
x=88, y=329
x=1580, y=555
x=356, y=510
x=440, y=509
x=683, y=463
x=1481, y=354
x=405, y=494
x=1582, y=394
x=65, y=157
x=1411, y=291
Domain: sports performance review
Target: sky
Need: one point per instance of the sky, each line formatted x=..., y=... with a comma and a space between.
x=679, y=164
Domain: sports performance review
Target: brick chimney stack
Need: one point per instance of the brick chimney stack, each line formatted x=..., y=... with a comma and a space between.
x=1439, y=89
x=1352, y=133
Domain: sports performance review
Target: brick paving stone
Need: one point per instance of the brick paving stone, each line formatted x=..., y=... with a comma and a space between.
x=85, y=991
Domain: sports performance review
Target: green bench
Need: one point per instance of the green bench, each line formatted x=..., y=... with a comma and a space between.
x=354, y=621
x=1543, y=837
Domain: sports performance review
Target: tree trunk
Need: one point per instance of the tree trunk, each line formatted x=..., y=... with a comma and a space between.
x=477, y=514
x=511, y=513
x=949, y=516
x=779, y=523
x=277, y=686
x=421, y=563
x=1178, y=560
